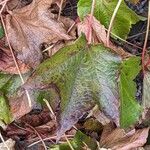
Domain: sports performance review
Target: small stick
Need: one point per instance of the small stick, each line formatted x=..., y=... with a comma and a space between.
x=49, y=138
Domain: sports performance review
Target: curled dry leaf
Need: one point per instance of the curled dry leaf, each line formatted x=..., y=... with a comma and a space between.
x=31, y=26
x=96, y=33
x=119, y=140
x=8, y=65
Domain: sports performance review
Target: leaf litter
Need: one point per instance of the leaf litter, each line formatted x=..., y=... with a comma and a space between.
x=33, y=25
x=78, y=77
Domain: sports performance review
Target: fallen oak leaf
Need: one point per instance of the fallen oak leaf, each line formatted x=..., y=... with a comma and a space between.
x=32, y=25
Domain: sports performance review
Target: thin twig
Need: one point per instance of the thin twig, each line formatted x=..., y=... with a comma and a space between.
x=1, y=137
x=135, y=35
x=146, y=39
x=125, y=40
x=60, y=9
x=38, y=136
x=15, y=61
x=3, y=6
x=49, y=138
x=112, y=20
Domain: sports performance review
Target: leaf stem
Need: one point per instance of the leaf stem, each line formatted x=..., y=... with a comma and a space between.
x=89, y=36
x=112, y=20
x=146, y=39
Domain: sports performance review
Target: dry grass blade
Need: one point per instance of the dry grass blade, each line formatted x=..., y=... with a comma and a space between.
x=3, y=3
x=38, y=136
x=49, y=138
x=71, y=147
x=60, y=9
x=1, y=137
x=146, y=38
x=50, y=108
x=112, y=20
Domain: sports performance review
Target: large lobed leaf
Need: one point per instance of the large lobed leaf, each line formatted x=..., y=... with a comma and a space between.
x=103, y=12
x=81, y=76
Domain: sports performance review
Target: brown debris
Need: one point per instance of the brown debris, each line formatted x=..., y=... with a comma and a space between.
x=8, y=65
x=32, y=25
x=117, y=139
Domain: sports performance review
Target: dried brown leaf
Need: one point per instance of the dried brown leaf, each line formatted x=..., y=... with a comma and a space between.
x=96, y=27
x=19, y=106
x=8, y=65
x=15, y=4
x=31, y=26
x=119, y=140
x=96, y=32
